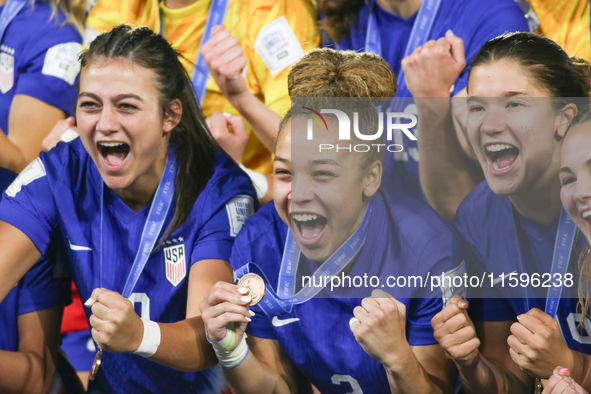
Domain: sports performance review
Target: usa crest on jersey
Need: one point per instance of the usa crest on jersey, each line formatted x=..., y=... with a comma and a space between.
x=6, y=69
x=175, y=263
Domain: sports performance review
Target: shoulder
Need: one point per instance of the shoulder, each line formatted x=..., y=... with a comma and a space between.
x=473, y=205
x=107, y=14
x=415, y=221
x=227, y=180
x=261, y=240
x=50, y=26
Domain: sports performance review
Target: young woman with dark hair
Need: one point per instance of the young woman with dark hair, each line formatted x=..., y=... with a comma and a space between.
x=145, y=179
x=523, y=91
x=331, y=210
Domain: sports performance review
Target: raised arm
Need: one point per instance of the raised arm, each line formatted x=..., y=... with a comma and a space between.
x=446, y=170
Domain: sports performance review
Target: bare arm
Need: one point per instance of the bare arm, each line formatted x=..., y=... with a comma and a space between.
x=29, y=122
x=381, y=330
x=446, y=169
x=31, y=369
x=479, y=350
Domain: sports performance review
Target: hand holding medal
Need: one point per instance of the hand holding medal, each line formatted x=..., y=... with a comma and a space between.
x=225, y=312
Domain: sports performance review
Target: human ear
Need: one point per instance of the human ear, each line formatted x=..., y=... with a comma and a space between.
x=372, y=178
x=564, y=119
x=172, y=116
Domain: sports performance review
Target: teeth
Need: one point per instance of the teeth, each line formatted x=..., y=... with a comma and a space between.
x=304, y=217
x=110, y=144
x=498, y=147
x=586, y=214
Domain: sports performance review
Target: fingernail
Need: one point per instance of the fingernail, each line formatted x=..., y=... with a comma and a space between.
x=519, y=317
x=245, y=299
x=462, y=304
x=88, y=302
x=251, y=313
x=564, y=371
x=450, y=32
x=248, y=319
x=353, y=320
x=242, y=290
x=227, y=115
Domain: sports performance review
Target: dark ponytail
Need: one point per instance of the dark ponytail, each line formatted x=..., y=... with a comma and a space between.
x=546, y=62
x=338, y=16
x=191, y=138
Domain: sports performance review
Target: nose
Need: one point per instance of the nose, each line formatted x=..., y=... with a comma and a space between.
x=301, y=190
x=492, y=122
x=107, y=123
x=582, y=192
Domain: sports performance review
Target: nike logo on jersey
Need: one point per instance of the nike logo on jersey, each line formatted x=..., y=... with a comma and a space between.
x=278, y=323
x=78, y=247
x=500, y=278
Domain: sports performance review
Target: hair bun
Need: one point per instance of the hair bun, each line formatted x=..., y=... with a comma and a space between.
x=325, y=72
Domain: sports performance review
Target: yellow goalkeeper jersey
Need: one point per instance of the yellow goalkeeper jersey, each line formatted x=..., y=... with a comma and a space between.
x=247, y=20
x=567, y=23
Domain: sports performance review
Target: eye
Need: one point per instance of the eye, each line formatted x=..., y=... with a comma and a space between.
x=87, y=104
x=281, y=171
x=323, y=174
x=567, y=180
x=514, y=104
x=127, y=106
x=476, y=108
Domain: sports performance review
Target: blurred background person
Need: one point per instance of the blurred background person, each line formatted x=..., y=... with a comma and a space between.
x=40, y=42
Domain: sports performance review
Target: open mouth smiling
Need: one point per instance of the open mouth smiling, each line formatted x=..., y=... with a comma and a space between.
x=501, y=157
x=310, y=227
x=113, y=153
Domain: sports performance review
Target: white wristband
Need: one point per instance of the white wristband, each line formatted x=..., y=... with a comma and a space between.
x=224, y=350
x=258, y=180
x=151, y=339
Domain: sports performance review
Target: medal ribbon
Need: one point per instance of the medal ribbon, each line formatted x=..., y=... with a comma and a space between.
x=9, y=11
x=563, y=246
x=282, y=302
x=215, y=17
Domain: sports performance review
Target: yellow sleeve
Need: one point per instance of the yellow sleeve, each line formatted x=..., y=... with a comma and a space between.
x=301, y=18
x=566, y=23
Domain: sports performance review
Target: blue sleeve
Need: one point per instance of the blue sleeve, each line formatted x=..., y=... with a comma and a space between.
x=418, y=323
x=491, y=309
x=501, y=18
x=260, y=326
x=41, y=288
x=52, y=67
x=217, y=234
x=28, y=204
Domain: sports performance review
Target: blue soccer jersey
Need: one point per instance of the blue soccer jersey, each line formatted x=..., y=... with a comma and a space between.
x=59, y=196
x=39, y=289
x=39, y=58
x=405, y=237
x=474, y=21
x=498, y=236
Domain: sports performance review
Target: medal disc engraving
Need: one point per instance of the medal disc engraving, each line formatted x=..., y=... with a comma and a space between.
x=255, y=286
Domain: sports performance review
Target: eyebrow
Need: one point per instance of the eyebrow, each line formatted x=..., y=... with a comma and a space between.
x=115, y=99
x=506, y=94
x=565, y=169
x=281, y=159
x=325, y=161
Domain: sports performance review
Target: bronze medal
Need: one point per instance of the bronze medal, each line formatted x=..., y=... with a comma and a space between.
x=96, y=364
x=255, y=286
